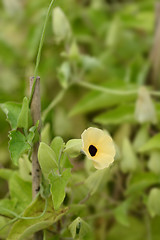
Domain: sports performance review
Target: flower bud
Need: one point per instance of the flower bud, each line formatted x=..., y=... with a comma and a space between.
x=145, y=110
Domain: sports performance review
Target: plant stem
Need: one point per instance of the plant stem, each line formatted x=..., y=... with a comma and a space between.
x=106, y=90
x=148, y=226
x=59, y=161
x=40, y=49
x=54, y=102
x=154, y=75
x=36, y=116
x=112, y=91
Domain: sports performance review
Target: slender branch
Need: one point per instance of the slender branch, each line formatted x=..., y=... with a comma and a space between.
x=2, y=215
x=40, y=49
x=36, y=116
x=112, y=91
x=106, y=90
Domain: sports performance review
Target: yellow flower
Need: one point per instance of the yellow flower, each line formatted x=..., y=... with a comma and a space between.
x=98, y=146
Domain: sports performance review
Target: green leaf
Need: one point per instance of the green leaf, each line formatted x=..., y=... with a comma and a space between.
x=45, y=134
x=20, y=190
x=135, y=231
x=129, y=159
x=153, y=202
x=96, y=100
x=33, y=135
x=73, y=52
x=89, y=62
x=64, y=73
x=46, y=158
x=57, y=145
x=58, y=184
x=80, y=229
x=6, y=173
x=61, y=26
x=65, y=162
x=80, y=209
x=151, y=144
x=140, y=181
x=154, y=162
x=114, y=31
x=73, y=147
x=7, y=206
x=12, y=111
x=121, y=212
x=17, y=145
x=22, y=121
x=4, y=231
x=24, y=228
x=25, y=168
x=121, y=114
x=95, y=180
x=141, y=137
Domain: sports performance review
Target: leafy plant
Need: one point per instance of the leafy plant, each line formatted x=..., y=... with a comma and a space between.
x=95, y=69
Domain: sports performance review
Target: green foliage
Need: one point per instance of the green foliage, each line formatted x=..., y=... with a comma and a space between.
x=153, y=163
x=64, y=74
x=47, y=158
x=61, y=26
x=22, y=121
x=58, y=183
x=20, y=190
x=121, y=213
x=123, y=113
x=26, y=227
x=45, y=134
x=57, y=145
x=129, y=160
x=135, y=231
x=6, y=173
x=151, y=144
x=12, y=111
x=17, y=145
x=95, y=100
x=153, y=202
x=73, y=147
x=93, y=64
x=25, y=168
x=95, y=180
x=80, y=229
x=140, y=181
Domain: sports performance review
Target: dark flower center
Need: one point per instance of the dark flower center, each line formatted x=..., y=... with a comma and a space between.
x=92, y=150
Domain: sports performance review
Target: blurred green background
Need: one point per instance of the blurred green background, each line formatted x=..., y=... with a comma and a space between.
x=110, y=44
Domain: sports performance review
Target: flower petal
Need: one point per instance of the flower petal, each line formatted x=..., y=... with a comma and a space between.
x=103, y=162
x=94, y=137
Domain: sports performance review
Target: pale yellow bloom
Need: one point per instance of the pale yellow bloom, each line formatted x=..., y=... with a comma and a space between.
x=98, y=146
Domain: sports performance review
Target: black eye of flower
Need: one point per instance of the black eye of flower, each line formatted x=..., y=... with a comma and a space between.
x=92, y=150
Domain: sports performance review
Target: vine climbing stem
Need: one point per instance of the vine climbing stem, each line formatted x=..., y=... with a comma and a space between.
x=40, y=49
